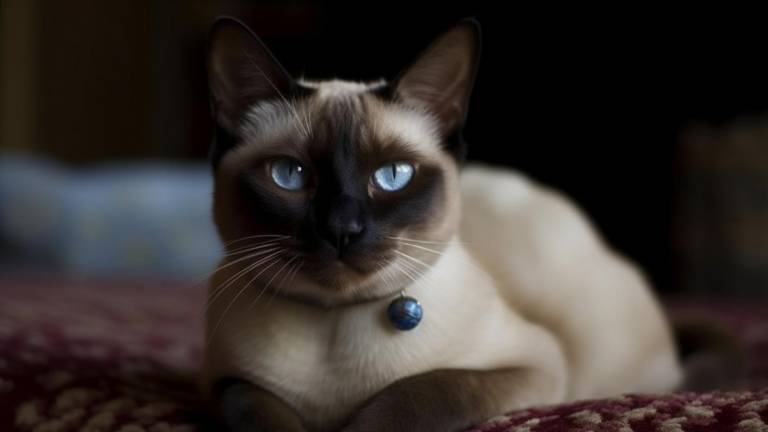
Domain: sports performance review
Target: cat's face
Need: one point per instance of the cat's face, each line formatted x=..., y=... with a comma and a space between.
x=335, y=191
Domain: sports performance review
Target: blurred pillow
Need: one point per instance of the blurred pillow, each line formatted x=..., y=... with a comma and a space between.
x=123, y=219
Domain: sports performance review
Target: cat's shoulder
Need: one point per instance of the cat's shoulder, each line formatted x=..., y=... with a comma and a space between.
x=511, y=191
x=501, y=202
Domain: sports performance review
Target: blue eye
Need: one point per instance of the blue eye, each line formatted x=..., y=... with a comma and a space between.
x=393, y=177
x=288, y=174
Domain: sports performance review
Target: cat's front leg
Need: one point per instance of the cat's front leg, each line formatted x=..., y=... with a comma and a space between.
x=447, y=400
x=244, y=407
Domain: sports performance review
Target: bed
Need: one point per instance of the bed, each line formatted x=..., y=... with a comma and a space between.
x=93, y=355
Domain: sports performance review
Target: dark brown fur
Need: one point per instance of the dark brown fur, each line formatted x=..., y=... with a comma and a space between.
x=440, y=400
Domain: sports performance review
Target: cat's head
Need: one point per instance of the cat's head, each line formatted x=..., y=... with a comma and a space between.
x=340, y=191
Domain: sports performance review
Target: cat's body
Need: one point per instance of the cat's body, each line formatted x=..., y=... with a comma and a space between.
x=552, y=267
x=329, y=362
x=546, y=294
x=523, y=303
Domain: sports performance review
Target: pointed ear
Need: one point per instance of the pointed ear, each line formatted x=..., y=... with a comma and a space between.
x=441, y=79
x=241, y=71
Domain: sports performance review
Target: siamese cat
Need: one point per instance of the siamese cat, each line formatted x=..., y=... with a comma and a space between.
x=337, y=200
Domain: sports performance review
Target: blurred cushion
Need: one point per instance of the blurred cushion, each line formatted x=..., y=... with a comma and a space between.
x=721, y=208
x=122, y=219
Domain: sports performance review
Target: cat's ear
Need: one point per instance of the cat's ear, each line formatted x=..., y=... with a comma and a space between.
x=441, y=79
x=241, y=71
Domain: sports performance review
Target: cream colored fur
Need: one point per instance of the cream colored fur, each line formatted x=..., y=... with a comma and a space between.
x=555, y=271
x=527, y=283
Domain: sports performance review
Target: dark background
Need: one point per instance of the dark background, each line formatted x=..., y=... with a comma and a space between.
x=591, y=104
x=591, y=101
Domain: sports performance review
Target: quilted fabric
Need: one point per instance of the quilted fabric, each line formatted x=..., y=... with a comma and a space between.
x=122, y=357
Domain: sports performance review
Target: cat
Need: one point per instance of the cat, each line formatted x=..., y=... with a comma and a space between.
x=338, y=199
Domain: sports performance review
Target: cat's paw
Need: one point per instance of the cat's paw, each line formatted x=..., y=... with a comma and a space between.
x=391, y=415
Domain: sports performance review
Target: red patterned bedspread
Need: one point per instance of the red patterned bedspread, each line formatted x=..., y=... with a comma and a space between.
x=122, y=357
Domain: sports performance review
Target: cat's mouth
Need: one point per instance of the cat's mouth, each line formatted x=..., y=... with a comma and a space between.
x=351, y=278
x=358, y=260
x=351, y=269
x=341, y=265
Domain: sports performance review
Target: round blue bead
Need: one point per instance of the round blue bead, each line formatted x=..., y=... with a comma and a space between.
x=405, y=313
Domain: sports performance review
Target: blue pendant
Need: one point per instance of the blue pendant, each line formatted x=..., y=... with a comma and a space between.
x=405, y=313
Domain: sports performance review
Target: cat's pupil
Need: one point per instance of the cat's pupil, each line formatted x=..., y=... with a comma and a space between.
x=393, y=177
x=288, y=174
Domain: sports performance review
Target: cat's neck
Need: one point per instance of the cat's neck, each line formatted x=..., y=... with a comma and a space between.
x=445, y=286
x=452, y=281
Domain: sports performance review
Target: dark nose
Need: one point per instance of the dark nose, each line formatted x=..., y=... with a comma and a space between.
x=344, y=223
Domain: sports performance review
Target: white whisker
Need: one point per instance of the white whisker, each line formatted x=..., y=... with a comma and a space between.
x=422, y=241
x=252, y=248
x=437, y=252
x=426, y=266
x=420, y=274
x=404, y=270
x=214, y=295
x=289, y=274
x=388, y=277
x=304, y=118
x=241, y=259
x=239, y=293
x=230, y=243
x=385, y=276
x=269, y=283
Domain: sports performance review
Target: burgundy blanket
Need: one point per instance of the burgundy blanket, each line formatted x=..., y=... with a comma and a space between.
x=122, y=357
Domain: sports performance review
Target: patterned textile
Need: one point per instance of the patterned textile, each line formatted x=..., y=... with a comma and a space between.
x=99, y=357
x=121, y=357
x=744, y=411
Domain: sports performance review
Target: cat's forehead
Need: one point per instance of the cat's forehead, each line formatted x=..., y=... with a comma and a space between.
x=338, y=113
x=340, y=88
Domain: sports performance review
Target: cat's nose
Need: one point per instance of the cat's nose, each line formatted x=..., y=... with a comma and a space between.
x=344, y=223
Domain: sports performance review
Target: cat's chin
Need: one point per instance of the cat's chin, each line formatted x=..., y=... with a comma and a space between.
x=336, y=273
x=337, y=284
x=340, y=299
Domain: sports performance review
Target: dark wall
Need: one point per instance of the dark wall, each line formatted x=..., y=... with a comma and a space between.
x=585, y=101
x=591, y=101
